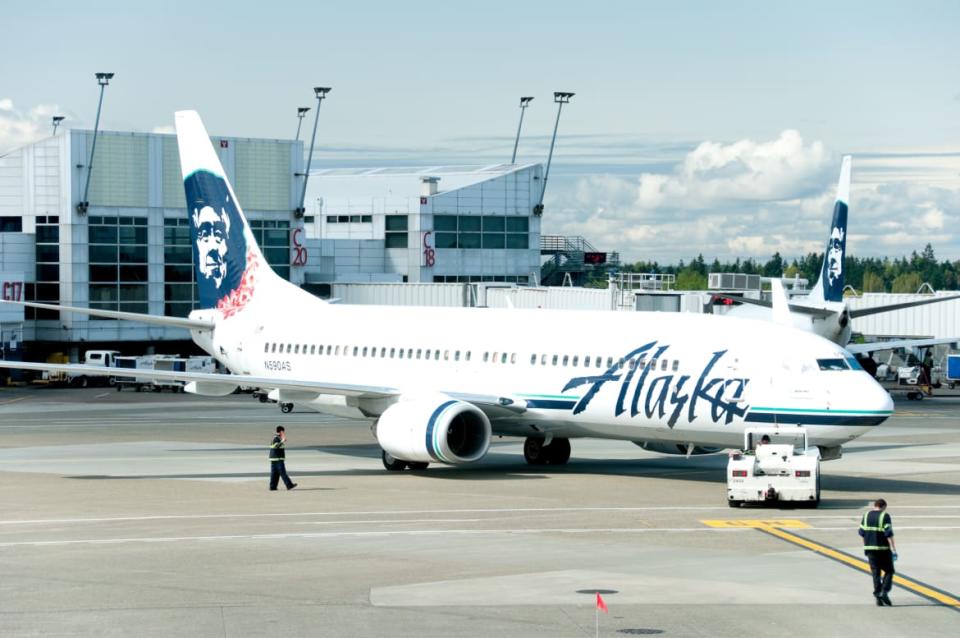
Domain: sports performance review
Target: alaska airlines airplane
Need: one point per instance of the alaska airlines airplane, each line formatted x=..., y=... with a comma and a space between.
x=823, y=311
x=438, y=383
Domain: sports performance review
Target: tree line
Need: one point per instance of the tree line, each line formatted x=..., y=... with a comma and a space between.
x=865, y=274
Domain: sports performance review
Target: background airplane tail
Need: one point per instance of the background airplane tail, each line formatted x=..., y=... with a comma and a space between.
x=228, y=265
x=829, y=286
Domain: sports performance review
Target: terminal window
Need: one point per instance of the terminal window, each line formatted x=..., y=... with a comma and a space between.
x=395, y=231
x=47, y=251
x=273, y=237
x=490, y=232
x=118, y=263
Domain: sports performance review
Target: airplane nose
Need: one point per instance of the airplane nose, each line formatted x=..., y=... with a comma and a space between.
x=880, y=399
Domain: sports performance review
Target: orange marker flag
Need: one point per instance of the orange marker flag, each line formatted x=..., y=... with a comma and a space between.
x=602, y=606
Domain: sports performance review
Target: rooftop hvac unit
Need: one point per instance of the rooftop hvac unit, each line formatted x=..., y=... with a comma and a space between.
x=733, y=281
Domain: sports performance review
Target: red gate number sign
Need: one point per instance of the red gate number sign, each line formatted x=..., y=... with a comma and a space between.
x=12, y=290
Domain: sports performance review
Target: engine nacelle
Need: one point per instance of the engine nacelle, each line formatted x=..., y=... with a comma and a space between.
x=435, y=429
x=675, y=448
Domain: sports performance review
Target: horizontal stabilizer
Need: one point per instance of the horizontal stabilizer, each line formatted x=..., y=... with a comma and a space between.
x=875, y=310
x=158, y=320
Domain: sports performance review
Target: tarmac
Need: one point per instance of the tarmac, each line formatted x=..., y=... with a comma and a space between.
x=125, y=514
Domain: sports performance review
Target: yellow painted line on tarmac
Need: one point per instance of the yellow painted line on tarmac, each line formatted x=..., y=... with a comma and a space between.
x=756, y=523
x=774, y=528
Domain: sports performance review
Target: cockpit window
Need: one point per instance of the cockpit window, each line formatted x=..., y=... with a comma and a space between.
x=832, y=364
x=854, y=363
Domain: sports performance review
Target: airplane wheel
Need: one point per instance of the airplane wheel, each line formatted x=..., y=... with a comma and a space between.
x=286, y=408
x=417, y=465
x=534, y=452
x=558, y=452
x=392, y=464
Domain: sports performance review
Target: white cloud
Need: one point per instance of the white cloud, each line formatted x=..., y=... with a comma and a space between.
x=18, y=128
x=717, y=200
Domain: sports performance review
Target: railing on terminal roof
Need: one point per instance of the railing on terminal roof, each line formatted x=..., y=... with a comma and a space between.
x=563, y=243
x=646, y=281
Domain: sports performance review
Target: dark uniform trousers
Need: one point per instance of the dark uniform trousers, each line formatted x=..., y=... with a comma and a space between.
x=881, y=561
x=875, y=528
x=278, y=466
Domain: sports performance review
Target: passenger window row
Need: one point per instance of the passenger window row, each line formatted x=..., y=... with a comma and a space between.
x=428, y=354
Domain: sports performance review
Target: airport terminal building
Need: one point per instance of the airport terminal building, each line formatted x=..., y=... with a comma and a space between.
x=130, y=250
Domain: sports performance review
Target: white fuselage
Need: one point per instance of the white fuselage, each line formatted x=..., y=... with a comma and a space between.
x=713, y=376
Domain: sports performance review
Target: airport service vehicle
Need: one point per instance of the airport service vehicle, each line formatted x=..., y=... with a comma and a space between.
x=94, y=358
x=823, y=311
x=438, y=383
x=785, y=470
x=953, y=370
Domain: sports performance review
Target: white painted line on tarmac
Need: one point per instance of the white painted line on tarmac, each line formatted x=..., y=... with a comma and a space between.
x=105, y=394
x=162, y=517
x=419, y=532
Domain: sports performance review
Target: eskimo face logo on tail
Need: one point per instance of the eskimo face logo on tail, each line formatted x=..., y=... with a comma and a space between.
x=832, y=274
x=221, y=262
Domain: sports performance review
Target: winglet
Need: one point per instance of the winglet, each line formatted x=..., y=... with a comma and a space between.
x=781, y=306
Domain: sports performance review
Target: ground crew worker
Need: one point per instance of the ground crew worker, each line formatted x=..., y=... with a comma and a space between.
x=876, y=528
x=278, y=468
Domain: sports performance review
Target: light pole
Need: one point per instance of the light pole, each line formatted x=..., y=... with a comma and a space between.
x=524, y=103
x=301, y=111
x=561, y=98
x=56, y=122
x=321, y=93
x=103, y=79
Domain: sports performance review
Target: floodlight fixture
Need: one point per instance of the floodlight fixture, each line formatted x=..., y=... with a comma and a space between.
x=103, y=79
x=301, y=111
x=561, y=98
x=321, y=93
x=56, y=122
x=524, y=103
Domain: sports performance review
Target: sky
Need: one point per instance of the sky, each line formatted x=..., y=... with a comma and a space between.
x=697, y=127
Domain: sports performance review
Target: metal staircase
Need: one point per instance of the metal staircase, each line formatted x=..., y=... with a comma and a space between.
x=572, y=261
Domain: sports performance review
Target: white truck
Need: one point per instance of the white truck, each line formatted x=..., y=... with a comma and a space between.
x=102, y=358
x=776, y=465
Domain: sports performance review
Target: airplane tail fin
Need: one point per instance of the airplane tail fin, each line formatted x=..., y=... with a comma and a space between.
x=829, y=286
x=228, y=265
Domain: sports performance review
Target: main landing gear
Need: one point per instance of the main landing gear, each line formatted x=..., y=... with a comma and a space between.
x=286, y=408
x=557, y=452
x=394, y=464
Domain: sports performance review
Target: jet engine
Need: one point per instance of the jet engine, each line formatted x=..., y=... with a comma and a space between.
x=435, y=429
x=675, y=448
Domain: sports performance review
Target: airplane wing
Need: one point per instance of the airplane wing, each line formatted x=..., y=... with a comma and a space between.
x=210, y=384
x=863, y=312
x=159, y=320
x=879, y=346
x=806, y=310
x=217, y=384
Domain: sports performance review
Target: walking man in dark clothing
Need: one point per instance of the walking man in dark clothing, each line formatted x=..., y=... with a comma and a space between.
x=278, y=468
x=876, y=528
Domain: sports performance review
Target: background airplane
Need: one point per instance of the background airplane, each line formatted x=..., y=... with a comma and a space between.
x=823, y=311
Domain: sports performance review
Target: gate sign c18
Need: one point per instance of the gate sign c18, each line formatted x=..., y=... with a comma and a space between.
x=428, y=256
